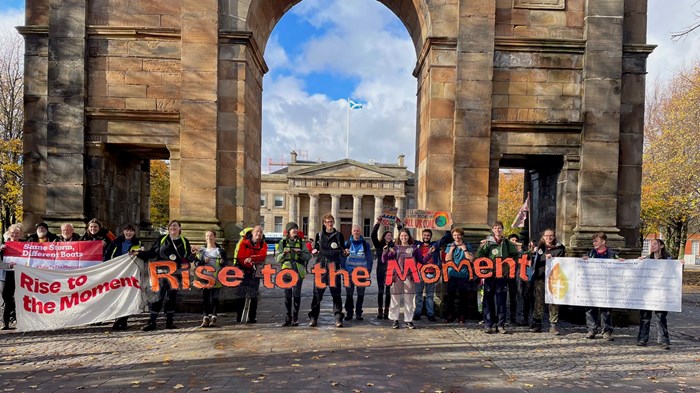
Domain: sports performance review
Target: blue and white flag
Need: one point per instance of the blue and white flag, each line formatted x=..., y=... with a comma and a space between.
x=354, y=105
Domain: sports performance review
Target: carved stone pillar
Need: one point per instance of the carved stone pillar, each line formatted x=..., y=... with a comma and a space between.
x=293, y=208
x=357, y=210
x=335, y=209
x=313, y=215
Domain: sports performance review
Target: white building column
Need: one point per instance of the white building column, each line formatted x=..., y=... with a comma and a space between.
x=335, y=210
x=401, y=207
x=357, y=210
x=313, y=216
x=294, y=208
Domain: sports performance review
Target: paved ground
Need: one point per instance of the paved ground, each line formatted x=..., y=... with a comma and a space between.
x=364, y=356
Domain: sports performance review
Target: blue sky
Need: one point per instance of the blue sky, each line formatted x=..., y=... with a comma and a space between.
x=323, y=51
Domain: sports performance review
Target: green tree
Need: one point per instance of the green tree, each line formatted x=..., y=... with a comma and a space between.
x=160, y=193
x=671, y=180
x=11, y=122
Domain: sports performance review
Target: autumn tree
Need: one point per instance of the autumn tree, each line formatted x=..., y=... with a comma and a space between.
x=671, y=179
x=510, y=198
x=160, y=193
x=11, y=121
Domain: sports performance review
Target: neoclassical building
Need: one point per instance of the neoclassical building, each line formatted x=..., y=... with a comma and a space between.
x=354, y=192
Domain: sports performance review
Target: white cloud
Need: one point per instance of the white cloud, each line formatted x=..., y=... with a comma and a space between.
x=357, y=43
x=9, y=18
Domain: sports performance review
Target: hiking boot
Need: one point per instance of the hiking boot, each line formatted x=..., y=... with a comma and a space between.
x=489, y=330
x=502, y=330
x=151, y=325
x=410, y=325
x=432, y=318
x=348, y=317
x=380, y=313
x=339, y=323
x=359, y=317
x=590, y=335
x=416, y=317
x=386, y=313
x=212, y=321
x=641, y=343
x=313, y=322
x=206, y=320
x=295, y=323
x=395, y=325
x=287, y=321
x=536, y=328
x=553, y=329
x=608, y=336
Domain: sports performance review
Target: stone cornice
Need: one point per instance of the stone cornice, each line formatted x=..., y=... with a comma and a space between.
x=513, y=44
x=133, y=32
x=33, y=30
x=445, y=43
x=529, y=127
x=132, y=115
x=246, y=38
x=638, y=49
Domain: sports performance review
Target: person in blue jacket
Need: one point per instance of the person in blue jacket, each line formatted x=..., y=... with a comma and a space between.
x=430, y=252
x=358, y=254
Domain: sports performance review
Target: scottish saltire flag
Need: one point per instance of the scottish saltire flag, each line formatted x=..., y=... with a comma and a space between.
x=354, y=105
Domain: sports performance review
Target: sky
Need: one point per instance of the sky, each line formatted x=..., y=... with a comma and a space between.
x=323, y=52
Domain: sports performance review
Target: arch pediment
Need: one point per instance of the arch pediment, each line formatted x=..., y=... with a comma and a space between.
x=348, y=169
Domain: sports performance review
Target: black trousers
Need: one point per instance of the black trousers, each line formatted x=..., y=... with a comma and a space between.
x=8, y=296
x=383, y=289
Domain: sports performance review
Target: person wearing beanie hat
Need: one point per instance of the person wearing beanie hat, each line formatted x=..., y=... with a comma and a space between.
x=292, y=254
x=42, y=234
x=329, y=245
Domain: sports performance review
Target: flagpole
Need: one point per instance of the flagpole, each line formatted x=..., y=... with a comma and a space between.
x=347, y=133
x=529, y=218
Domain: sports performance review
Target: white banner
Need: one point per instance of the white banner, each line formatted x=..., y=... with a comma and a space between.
x=55, y=299
x=646, y=284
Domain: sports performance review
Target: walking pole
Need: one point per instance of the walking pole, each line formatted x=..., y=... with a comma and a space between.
x=246, y=306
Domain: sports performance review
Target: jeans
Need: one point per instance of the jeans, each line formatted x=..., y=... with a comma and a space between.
x=495, y=305
x=349, y=290
x=592, y=320
x=661, y=326
x=210, y=300
x=429, y=298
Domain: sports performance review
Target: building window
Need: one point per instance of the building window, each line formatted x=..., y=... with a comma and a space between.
x=305, y=227
x=262, y=200
x=695, y=247
x=367, y=227
x=262, y=222
x=279, y=200
x=278, y=224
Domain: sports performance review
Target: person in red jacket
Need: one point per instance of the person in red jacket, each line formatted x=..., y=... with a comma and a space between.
x=250, y=253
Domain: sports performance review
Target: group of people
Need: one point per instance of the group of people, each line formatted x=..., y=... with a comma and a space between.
x=332, y=251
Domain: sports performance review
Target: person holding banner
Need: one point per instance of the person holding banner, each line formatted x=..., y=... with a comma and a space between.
x=657, y=250
x=212, y=255
x=42, y=234
x=600, y=250
x=250, y=252
x=67, y=234
x=430, y=252
x=404, y=252
x=293, y=254
x=379, y=244
x=329, y=246
x=459, y=284
x=7, y=277
x=495, y=288
x=125, y=243
x=358, y=255
x=548, y=248
x=172, y=247
x=94, y=231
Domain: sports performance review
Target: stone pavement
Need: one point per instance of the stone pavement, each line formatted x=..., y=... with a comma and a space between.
x=365, y=356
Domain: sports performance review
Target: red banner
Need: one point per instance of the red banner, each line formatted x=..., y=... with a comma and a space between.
x=59, y=255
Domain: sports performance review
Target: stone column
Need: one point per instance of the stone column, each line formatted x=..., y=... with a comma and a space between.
x=378, y=206
x=293, y=208
x=335, y=209
x=357, y=210
x=65, y=183
x=600, y=142
x=401, y=206
x=567, y=198
x=313, y=215
x=472, y=169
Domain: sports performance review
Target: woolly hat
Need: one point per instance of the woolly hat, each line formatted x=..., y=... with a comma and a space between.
x=290, y=226
x=42, y=224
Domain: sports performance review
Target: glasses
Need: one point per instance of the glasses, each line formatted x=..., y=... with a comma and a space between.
x=328, y=222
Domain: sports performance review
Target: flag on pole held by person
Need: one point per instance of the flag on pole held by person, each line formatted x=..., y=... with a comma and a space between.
x=519, y=221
